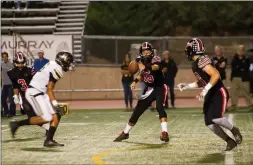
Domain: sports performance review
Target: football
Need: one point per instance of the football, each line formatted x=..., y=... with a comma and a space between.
x=133, y=67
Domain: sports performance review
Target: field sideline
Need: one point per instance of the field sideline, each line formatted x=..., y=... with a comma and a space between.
x=88, y=136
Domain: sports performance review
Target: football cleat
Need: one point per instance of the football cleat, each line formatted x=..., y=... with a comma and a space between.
x=13, y=127
x=121, y=137
x=238, y=137
x=231, y=144
x=164, y=136
x=52, y=143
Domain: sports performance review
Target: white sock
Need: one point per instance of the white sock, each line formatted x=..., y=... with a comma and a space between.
x=164, y=126
x=46, y=126
x=127, y=129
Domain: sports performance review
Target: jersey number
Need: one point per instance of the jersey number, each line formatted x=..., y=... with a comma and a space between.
x=23, y=84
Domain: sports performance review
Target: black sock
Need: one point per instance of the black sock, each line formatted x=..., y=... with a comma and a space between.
x=51, y=132
x=23, y=122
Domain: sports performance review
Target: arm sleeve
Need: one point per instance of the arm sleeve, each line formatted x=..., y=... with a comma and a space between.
x=13, y=80
x=55, y=75
x=138, y=59
x=200, y=84
x=51, y=78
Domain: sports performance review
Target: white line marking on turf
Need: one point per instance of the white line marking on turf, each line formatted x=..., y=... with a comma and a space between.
x=6, y=130
x=229, y=156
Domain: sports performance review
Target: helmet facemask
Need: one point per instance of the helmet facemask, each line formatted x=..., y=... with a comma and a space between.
x=146, y=52
x=19, y=60
x=65, y=60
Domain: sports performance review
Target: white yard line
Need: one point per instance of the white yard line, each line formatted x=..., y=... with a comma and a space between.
x=229, y=156
x=6, y=130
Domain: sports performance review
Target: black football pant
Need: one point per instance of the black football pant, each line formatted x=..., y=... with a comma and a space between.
x=28, y=108
x=158, y=94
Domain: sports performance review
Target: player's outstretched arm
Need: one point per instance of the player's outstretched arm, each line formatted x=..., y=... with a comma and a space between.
x=185, y=86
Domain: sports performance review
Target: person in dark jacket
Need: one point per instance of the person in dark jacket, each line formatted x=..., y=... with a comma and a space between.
x=240, y=78
x=127, y=79
x=170, y=70
x=250, y=55
x=220, y=63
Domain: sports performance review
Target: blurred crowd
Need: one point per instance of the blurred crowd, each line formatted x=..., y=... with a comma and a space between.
x=29, y=4
x=241, y=76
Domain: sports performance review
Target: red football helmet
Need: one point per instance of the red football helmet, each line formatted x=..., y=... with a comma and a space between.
x=194, y=47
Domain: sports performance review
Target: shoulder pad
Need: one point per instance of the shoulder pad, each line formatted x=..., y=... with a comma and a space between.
x=156, y=59
x=203, y=61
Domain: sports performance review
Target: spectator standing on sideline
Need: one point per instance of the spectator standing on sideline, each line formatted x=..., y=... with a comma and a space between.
x=220, y=63
x=40, y=62
x=250, y=55
x=240, y=78
x=7, y=90
x=170, y=70
x=127, y=79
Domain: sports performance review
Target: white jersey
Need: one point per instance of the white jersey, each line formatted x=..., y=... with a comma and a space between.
x=42, y=77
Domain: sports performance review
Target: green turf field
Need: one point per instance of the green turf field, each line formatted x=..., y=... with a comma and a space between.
x=88, y=136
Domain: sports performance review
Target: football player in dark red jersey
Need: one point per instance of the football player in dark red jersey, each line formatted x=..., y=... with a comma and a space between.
x=152, y=75
x=214, y=94
x=21, y=76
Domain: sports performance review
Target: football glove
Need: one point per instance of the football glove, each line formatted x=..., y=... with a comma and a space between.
x=184, y=86
x=201, y=95
x=62, y=109
x=16, y=99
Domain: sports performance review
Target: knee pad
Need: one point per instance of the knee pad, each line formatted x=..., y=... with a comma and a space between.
x=47, y=117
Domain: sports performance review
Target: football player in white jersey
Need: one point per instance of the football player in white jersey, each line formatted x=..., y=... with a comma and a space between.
x=41, y=96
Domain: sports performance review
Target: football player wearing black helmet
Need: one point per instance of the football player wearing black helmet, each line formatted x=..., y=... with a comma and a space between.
x=155, y=90
x=21, y=76
x=214, y=94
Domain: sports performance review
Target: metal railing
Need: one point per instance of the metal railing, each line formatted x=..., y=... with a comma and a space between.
x=98, y=49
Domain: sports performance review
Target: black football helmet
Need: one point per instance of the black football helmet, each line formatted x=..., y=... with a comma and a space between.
x=194, y=47
x=65, y=60
x=146, y=57
x=19, y=60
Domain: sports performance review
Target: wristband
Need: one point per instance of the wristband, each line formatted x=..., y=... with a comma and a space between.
x=192, y=85
x=208, y=87
x=136, y=80
x=55, y=103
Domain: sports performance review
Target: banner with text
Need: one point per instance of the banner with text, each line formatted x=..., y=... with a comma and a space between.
x=30, y=45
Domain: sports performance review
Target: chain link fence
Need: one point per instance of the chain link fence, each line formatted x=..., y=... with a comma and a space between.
x=112, y=49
